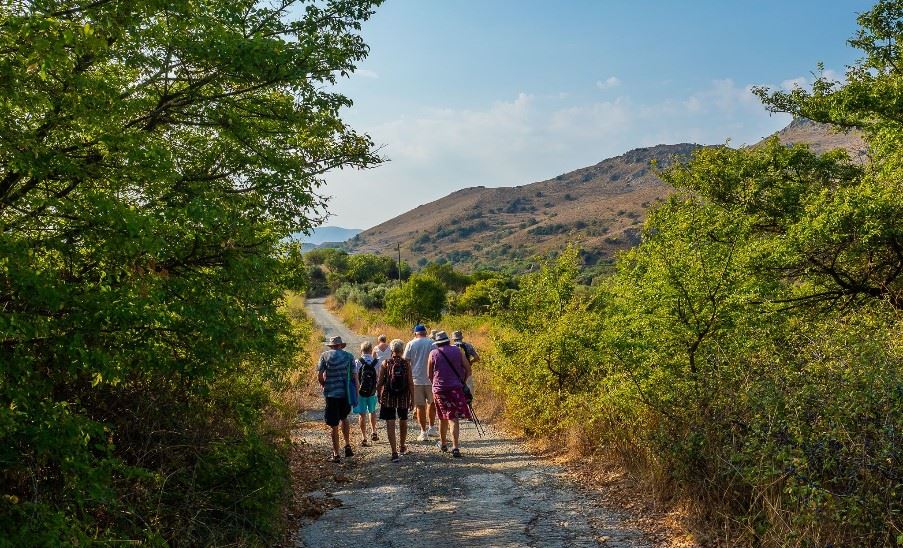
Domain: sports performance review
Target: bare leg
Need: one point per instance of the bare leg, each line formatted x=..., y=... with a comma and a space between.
x=456, y=432
x=443, y=431
x=346, y=432
x=335, y=439
x=390, y=431
x=404, y=433
x=362, y=421
x=432, y=408
x=373, y=422
x=421, y=416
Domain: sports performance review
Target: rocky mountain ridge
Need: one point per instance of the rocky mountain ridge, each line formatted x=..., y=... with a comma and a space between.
x=601, y=207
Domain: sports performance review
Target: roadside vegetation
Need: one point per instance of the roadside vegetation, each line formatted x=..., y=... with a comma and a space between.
x=747, y=355
x=153, y=158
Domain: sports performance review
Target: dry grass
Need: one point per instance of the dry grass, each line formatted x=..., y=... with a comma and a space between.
x=627, y=484
x=300, y=394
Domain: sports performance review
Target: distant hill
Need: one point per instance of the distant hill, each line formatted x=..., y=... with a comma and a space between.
x=821, y=137
x=601, y=207
x=326, y=234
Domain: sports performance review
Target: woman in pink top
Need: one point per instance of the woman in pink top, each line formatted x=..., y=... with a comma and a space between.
x=447, y=369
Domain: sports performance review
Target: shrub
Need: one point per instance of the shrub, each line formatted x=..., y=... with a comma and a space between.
x=142, y=269
x=368, y=295
x=481, y=296
x=420, y=299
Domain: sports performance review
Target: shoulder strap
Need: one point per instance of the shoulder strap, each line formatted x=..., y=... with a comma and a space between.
x=452, y=367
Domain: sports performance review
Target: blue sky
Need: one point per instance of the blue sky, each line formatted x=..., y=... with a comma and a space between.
x=505, y=92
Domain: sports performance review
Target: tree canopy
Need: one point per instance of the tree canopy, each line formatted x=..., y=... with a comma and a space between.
x=748, y=350
x=153, y=157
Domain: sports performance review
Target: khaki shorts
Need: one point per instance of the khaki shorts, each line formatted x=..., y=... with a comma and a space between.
x=423, y=394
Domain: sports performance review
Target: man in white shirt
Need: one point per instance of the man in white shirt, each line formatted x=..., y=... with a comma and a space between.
x=382, y=352
x=418, y=352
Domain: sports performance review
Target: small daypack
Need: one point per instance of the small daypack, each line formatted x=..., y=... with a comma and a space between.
x=367, y=378
x=398, y=377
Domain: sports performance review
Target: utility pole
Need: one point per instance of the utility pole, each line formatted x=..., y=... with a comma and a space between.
x=398, y=247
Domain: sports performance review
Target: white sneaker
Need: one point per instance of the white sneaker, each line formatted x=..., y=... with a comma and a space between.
x=433, y=431
x=423, y=436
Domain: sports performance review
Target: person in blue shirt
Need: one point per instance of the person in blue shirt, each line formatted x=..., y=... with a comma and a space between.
x=367, y=368
x=335, y=368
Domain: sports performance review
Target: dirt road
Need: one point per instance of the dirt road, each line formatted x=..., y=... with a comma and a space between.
x=497, y=495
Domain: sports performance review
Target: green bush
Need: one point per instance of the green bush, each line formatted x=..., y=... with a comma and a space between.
x=482, y=296
x=748, y=352
x=422, y=298
x=368, y=295
x=143, y=342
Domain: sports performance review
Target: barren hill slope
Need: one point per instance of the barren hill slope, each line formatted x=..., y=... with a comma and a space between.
x=821, y=137
x=602, y=207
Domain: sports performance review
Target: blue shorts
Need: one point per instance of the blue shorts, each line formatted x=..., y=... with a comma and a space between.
x=365, y=404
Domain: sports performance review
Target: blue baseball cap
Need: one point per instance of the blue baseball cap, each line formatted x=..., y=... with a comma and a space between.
x=419, y=328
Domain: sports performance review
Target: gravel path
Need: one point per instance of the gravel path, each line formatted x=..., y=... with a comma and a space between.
x=497, y=495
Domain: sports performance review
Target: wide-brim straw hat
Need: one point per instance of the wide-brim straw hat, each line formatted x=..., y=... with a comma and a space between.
x=441, y=337
x=336, y=342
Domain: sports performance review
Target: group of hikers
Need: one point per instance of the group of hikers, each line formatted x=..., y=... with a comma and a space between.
x=431, y=375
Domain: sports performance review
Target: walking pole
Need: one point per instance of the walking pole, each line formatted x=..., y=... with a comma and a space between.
x=476, y=422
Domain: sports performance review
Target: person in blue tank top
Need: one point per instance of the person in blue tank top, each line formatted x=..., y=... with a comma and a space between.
x=367, y=367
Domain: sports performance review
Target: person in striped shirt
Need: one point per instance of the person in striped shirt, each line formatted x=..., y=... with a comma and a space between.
x=335, y=368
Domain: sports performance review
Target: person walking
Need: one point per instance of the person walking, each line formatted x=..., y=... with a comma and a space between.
x=470, y=353
x=447, y=370
x=366, y=368
x=336, y=374
x=469, y=350
x=417, y=352
x=396, y=396
x=382, y=351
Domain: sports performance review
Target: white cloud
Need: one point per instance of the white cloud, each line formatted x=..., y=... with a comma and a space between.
x=609, y=83
x=793, y=83
x=366, y=73
x=531, y=138
x=805, y=82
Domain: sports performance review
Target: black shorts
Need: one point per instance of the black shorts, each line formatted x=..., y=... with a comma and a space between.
x=392, y=413
x=337, y=410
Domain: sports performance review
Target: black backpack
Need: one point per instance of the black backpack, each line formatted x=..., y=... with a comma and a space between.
x=367, y=378
x=398, y=377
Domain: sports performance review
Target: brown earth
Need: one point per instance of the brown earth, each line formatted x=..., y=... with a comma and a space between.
x=600, y=207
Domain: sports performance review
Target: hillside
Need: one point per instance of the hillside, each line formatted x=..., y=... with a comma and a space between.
x=820, y=137
x=601, y=207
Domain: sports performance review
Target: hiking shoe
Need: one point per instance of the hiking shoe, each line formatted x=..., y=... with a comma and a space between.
x=348, y=451
x=456, y=453
x=365, y=443
x=432, y=431
x=334, y=458
x=404, y=450
x=442, y=447
x=423, y=436
x=374, y=436
x=395, y=457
